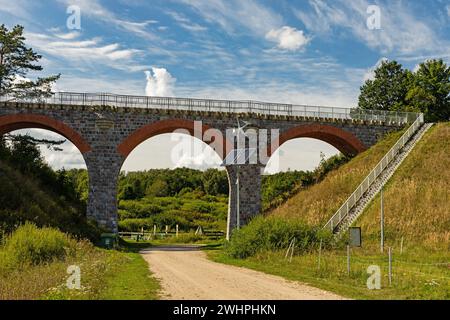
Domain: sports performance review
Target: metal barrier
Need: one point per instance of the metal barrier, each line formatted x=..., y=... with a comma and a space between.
x=367, y=182
x=212, y=105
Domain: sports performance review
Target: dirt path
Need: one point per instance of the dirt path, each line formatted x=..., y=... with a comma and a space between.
x=186, y=273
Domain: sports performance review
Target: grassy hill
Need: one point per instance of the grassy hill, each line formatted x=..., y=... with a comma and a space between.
x=316, y=204
x=417, y=198
x=24, y=197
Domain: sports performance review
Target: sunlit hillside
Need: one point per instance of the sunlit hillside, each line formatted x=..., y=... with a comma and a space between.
x=417, y=198
x=318, y=203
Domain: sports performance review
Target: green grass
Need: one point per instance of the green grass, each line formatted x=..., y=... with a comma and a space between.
x=135, y=246
x=130, y=281
x=34, y=263
x=412, y=279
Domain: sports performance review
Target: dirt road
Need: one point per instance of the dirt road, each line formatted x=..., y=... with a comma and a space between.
x=186, y=273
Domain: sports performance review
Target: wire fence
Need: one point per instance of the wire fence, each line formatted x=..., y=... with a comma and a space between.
x=215, y=105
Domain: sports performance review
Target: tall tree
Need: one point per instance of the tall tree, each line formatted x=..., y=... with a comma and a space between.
x=430, y=90
x=387, y=91
x=16, y=60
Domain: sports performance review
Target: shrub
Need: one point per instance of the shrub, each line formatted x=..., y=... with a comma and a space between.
x=30, y=245
x=273, y=233
x=190, y=237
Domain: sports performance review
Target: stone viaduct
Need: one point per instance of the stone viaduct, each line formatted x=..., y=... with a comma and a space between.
x=106, y=128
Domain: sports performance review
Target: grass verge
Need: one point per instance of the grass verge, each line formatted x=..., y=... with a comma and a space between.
x=130, y=281
x=34, y=264
x=415, y=275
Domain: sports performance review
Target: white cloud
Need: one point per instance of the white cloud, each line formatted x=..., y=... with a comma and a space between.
x=448, y=10
x=17, y=8
x=401, y=31
x=234, y=15
x=185, y=22
x=202, y=161
x=68, y=36
x=288, y=38
x=91, y=51
x=70, y=157
x=93, y=8
x=370, y=74
x=160, y=83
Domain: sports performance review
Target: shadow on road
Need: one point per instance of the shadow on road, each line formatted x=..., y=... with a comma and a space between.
x=173, y=248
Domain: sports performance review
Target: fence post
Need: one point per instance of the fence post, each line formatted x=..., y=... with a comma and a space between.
x=382, y=221
x=320, y=253
x=176, y=233
x=390, y=266
x=154, y=230
x=167, y=229
x=348, y=259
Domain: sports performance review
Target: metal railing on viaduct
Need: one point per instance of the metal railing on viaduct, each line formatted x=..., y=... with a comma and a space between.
x=213, y=105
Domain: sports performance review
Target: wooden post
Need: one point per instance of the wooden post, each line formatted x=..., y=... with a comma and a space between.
x=177, y=231
x=401, y=246
x=390, y=266
x=320, y=253
x=292, y=249
x=381, y=221
x=348, y=259
x=167, y=229
x=154, y=230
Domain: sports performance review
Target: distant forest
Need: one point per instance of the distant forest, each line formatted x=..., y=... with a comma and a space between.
x=187, y=197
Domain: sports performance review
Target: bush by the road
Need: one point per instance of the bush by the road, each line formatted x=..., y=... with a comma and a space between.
x=30, y=245
x=272, y=234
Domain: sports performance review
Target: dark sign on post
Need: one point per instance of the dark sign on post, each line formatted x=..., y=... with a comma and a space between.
x=355, y=236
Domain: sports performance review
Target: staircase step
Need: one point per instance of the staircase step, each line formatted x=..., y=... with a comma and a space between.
x=380, y=181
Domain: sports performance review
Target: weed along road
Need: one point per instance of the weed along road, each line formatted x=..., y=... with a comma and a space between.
x=186, y=273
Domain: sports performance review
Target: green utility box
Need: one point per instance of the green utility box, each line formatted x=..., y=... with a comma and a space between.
x=108, y=240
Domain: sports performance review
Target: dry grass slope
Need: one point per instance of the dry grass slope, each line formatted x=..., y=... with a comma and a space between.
x=318, y=203
x=417, y=198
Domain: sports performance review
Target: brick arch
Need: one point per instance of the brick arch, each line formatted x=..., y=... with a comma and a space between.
x=344, y=141
x=161, y=127
x=13, y=122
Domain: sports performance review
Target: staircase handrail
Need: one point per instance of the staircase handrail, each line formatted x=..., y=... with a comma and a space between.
x=351, y=201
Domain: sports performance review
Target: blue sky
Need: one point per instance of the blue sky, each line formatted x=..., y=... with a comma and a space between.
x=306, y=52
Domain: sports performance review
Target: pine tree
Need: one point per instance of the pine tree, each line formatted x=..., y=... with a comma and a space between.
x=16, y=60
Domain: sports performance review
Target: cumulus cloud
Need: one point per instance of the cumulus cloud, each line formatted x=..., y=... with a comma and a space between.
x=159, y=82
x=200, y=162
x=288, y=38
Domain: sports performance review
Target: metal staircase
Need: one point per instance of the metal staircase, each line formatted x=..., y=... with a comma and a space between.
x=377, y=178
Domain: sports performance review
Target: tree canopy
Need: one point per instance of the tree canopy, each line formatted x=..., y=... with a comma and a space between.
x=387, y=90
x=16, y=61
x=394, y=88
